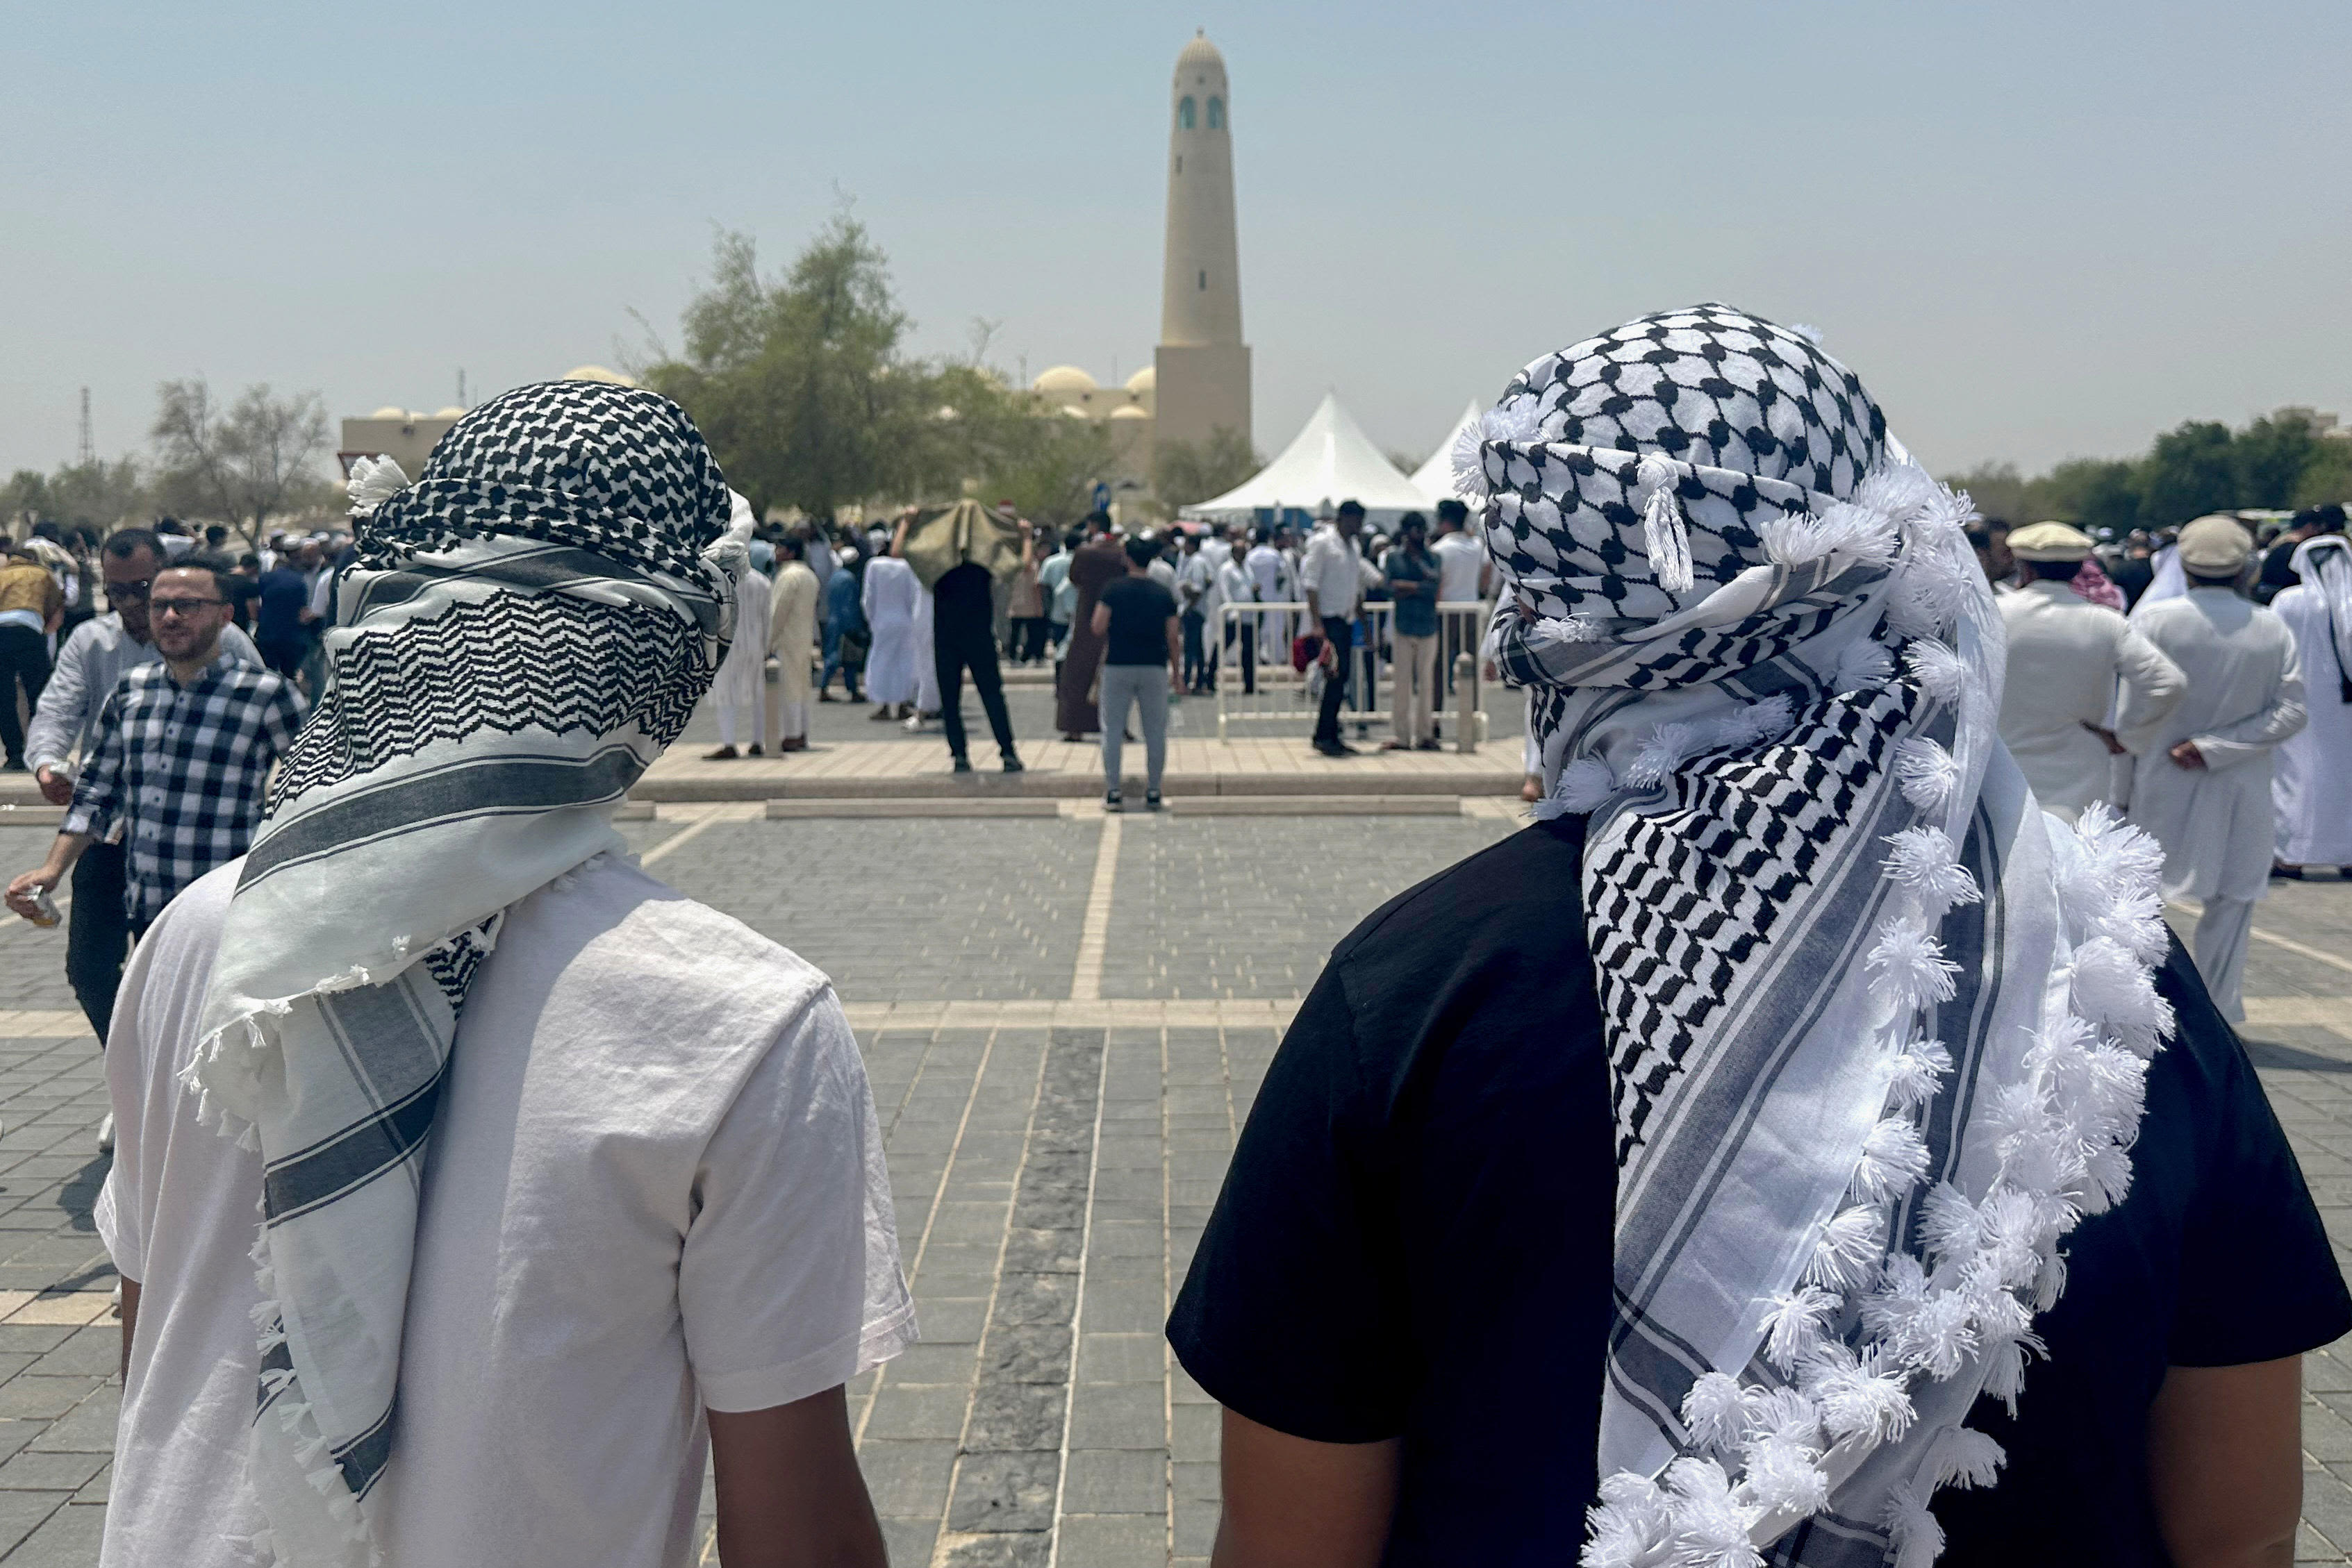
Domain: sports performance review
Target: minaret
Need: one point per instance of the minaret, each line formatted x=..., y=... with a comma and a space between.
x=1202, y=367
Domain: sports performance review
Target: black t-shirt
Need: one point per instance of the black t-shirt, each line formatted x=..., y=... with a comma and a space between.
x=1139, y=612
x=1414, y=1238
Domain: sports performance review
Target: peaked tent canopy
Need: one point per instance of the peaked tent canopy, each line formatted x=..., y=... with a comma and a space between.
x=1329, y=461
x=1434, y=478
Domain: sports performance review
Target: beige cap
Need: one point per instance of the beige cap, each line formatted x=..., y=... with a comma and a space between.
x=2215, y=546
x=2049, y=541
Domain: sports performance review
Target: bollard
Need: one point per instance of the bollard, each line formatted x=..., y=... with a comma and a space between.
x=1465, y=704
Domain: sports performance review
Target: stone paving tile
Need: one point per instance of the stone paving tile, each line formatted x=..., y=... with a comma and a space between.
x=906, y=909
x=1252, y=906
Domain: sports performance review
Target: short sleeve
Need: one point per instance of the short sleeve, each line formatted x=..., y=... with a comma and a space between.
x=2258, y=1278
x=790, y=1283
x=1292, y=1314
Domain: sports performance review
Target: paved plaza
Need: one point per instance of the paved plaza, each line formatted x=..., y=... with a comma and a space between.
x=1065, y=1019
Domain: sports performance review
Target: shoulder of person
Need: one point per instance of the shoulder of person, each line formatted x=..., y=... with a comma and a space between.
x=677, y=963
x=1515, y=908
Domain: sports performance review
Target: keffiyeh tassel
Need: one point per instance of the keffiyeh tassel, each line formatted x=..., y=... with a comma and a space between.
x=1664, y=533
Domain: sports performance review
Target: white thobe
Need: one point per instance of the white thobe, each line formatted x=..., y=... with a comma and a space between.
x=2312, y=791
x=2066, y=655
x=1270, y=570
x=791, y=632
x=927, y=667
x=742, y=684
x=2244, y=697
x=892, y=592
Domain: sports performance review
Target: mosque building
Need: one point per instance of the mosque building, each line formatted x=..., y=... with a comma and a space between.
x=1199, y=380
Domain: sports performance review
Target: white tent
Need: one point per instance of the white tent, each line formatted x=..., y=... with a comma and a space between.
x=1329, y=461
x=1434, y=478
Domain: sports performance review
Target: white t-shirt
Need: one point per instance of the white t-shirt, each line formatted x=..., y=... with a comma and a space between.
x=1460, y=559
x=655, y=1184
x=1333, y=572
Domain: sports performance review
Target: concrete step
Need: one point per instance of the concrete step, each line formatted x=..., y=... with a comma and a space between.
x=1037, y=784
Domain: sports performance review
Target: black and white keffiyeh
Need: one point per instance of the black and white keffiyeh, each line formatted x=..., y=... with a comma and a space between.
x=522, y=632
x=1878, y=1029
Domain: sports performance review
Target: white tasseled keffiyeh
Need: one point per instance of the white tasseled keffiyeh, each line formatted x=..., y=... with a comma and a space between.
x=1877, y=1027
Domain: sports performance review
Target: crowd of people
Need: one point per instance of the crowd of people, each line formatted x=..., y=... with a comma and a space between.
x=2170, y=692
x=854, y=605
x=1692, y=1176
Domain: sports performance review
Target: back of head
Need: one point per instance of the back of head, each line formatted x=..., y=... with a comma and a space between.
x=1451, y=515
x=1142, y=550
x=2214, y=548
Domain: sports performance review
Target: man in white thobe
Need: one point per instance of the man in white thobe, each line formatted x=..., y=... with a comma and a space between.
x=892, y=593
x=1269, y=569
x=2066, y=655
x=2203, y=788
x=791, y=632
x=2312, y=791
x=739, y=696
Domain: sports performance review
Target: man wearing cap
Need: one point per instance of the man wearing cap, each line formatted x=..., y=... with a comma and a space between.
x=2066, y=655
x=2203, y=787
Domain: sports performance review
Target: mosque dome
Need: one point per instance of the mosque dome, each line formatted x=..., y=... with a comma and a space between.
x=1130, y=412
x=1063, y=379
x=1075, y=412
x=389, y=411
x=598, y=374
x=1145, y=382
x=452, y=412
x=1199, y=52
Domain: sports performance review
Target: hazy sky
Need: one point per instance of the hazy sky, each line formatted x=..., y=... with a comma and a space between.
x=2034, y=229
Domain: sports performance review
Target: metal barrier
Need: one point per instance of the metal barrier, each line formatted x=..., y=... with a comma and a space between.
x=1266, y=690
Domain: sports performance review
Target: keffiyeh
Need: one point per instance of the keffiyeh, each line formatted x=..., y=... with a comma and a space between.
x=2324, y=562
x=522, y=632
x=1877, y=1028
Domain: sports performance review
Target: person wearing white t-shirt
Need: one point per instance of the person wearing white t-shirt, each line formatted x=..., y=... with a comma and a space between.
x=1462, y=576
x=465, y=1214
x=1331, y=575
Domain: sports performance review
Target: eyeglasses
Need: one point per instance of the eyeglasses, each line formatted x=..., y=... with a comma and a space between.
x=179, y=606
x=130, y=590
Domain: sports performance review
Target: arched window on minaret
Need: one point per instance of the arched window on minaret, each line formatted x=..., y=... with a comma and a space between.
x=1184, y=114
x=1216, y=114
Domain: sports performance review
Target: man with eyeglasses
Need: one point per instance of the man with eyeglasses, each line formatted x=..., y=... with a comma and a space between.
x=90, y=668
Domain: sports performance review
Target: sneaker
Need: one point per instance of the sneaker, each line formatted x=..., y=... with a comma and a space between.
x=105, y=1134
x=724, y=754
x=1336, y=748
x=1151, y=800
x=963, y=765
x=1013, y=763
x=755, y=750
x=1110, y=801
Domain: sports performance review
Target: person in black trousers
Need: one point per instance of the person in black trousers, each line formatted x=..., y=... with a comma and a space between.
x=963, y=634
x=1331, y=575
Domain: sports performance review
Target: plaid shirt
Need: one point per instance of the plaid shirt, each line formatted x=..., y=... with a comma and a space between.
x=184, y=770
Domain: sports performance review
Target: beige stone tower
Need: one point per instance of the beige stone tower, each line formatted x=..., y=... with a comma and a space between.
x=1202, y=367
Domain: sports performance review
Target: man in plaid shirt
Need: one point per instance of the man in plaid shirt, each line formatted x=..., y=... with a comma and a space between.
x=183, y=750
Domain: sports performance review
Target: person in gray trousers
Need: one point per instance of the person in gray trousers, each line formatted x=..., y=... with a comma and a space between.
x=1136, y=619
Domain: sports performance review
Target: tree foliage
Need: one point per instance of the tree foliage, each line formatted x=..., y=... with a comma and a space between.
x=803, y=387
x=2284, y=459
x=98, y=495
x=243, y=466
x=1187, y=472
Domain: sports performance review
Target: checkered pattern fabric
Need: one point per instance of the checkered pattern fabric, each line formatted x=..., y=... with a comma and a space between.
x=182, y=769
x=1759, y=421
x=616, y=470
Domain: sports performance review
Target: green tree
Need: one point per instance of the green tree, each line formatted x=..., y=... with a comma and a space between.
x=257, y=461
x=2327, y=477
x=2270, y=455
x=1998, y=489
x=1185, y=473
x=800, y=384
x=2189, y=472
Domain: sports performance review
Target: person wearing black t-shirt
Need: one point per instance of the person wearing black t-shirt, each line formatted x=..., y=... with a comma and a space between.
x=1136, y=617
x=1525, y=1255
